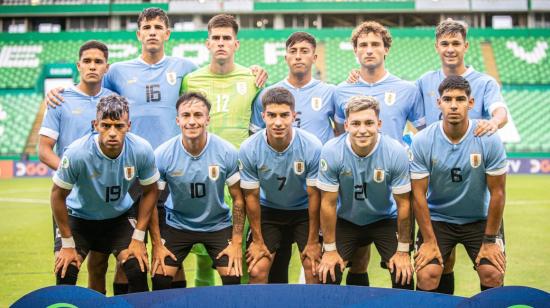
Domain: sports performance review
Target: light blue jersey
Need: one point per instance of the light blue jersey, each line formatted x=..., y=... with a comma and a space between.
x=100, y=184
x=315, y=108
x=281, y=176
x=457, y=189
x=399, y=101
x=197, y=183
x=364, y=184
x=485, y=91
x=152, y=92
x=71, y=120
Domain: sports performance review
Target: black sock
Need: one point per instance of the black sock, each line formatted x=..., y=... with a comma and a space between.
x=161, y=282
x=483, y=288
x=358, y=279
x=71, y=275
x=230, y=280
x=398, y=285
x=179, y=284
x=120, y=288
x=137, y=280
x=419, y=289
x=447, y=283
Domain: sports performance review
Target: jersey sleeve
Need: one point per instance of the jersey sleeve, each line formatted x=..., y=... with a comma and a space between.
x=147, y=170
x=400, y=174
x=184, y=84
x=327, y=179
x=248, y=170
x=232, y=165
x=495, y=156
x=492, y=98
x=313, y=164
x=51, y=123
x=339, y=105
x=256, y=120
x=159, y=161
x=419, y=161
x=109, y=80
x=66, y=174
x=417, y=114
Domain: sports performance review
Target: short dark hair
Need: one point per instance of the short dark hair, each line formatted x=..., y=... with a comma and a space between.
x=94, y=45
x=452, y=27
x=189, y=97
x=278, y=96
x=298, y=37
x=223, y=21
x=112, y=107
x=152, y=13
x=454, y=83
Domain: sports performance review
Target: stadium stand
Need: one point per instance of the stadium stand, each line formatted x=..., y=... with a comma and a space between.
x=17, y=113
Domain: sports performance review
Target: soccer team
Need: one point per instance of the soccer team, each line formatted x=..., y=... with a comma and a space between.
x=155, y=144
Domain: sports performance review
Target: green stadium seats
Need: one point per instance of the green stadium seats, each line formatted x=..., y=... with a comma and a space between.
x=17, y=113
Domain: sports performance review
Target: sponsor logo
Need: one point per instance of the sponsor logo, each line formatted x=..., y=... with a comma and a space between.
x=65, y=162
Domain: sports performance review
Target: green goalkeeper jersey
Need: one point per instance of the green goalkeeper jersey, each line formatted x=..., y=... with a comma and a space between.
x=231, y=96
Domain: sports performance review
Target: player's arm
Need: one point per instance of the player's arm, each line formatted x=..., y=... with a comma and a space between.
x=46, y=153
x=257, y=249
x=312, y=251
x=67, y=254
x=400, y=262
x=234, y=250
x=429, y=249
x=331, y=258
x=490, y=248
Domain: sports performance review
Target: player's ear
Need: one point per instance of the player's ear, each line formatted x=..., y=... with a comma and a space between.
x=379, y=124
x=439, y=103
x=94, y=125
x=471, y=103
x=168, y=33
x=466, y=45
x=129, y=124
x=263, y=115
x=346, y=125
x=207, y=121
x=237, y=44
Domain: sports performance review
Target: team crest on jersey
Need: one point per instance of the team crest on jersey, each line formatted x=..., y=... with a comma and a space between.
x=129, y=173
x=214, y=172
x=64, y=162
x=378, y=175
x=389, y=98
x=171, y=78
x=316, y=103
x=323, y=164
x=299, y=167
x=241, y=87
x=475, y=160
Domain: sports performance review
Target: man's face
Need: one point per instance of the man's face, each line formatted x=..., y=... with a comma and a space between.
x=193, y=119
x=222, y=44
x=278, y=120
x=152, y=34
x=92, y=66
x=454, y=105
x=370, y=51
x=300, y=58
x=363, y=127
x=112, y=132
x=451, y=49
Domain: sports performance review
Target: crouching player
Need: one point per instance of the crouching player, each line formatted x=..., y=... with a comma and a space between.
x=197, y=165
x=90, y=199
x=361, y=170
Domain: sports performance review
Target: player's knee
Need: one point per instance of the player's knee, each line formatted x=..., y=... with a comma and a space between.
x=229, y=280
x=71, y=275
x=428, y=277
x=120, y=276
x=161, y=282
x=259, y=273
x=489, y=276
x=137, y=280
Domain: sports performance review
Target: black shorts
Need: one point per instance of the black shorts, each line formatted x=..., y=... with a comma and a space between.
x=448, y=235
x=180, y=242
x=105, y=236
x=350, y=237
x=283, y=227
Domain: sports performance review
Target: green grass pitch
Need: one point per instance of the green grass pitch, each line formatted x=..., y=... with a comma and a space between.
x=27, y=259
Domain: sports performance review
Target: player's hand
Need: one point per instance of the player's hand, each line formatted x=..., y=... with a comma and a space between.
x=483, y=127
x=255, y=252
x=65, y=257
x=160, y=252
x=312, y=251
x=234, y=252
x=139, y=251
x=400, y=263
x=260, y=74
x=54, y=98
x=493, y=253
x=426, y=253
x=353, y=76
x=328, y=263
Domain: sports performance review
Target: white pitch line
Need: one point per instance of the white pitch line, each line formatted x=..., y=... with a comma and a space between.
x=18, y=191
x=25, y=200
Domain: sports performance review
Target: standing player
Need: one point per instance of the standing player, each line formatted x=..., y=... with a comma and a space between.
x=61, y=126
x=278, y=177
x=401, y=103
x=366, y=174
x=489, y=106
x=90, y=199
x=197, y=165
x=458, y=183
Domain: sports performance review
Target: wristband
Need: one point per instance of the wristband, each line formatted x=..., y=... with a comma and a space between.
x=489, y=239
x=403, y=247
x=138, y=235
x=67, y=242
x=329, y=247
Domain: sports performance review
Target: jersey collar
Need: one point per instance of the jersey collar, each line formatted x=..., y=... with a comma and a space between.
x=154, y=64
x=461, y=139
x=77, y=90
x=386, y=76
x=203, y=150
x=96, y=141
x=289, y=145
x=348, y=144
x=288, y=84
x=469, y=69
